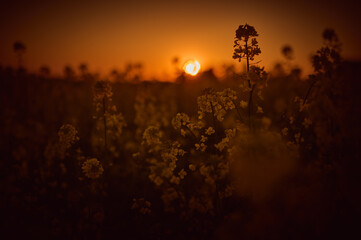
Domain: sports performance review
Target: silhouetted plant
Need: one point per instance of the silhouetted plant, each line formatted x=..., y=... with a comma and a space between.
x=326, y=60
x=115, y=75
x=287, y=52
x=69, y=72
x=19, y=49
x=176, y=66
x=44, y=71
x=328, y=57
x=246, y=45
x=84, y=70
x=133, y=71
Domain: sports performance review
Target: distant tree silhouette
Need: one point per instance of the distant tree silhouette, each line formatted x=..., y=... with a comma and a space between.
x=84, y=71
x=117, y=76
x=246, y=45
x=69, y=72
x=278, y=70
x=330, y=37
x=229, y=71
x=175, y=60
x=83, y=68
x=19, y=49
x=114, y=75
x=287, y=52
x=133, y=71
x=44, y=71
x=175, y=64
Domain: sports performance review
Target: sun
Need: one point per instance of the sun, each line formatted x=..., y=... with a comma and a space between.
x=192, y=67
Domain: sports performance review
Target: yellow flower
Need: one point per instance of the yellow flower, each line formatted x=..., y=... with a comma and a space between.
x=175, y=180
x=192, y=167
x=292, y=120
x=183, y=133
x=158, y=181
x=243, y=104
x=259, y=109
x=224, y=143
x=307, y=122
x=210, y=131
x=203, y=138
x=298, y=138
x=202, y=147
x=182, y=174
x=181, y=119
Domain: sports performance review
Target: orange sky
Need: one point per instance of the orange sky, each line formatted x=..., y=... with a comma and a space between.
x=108, y=34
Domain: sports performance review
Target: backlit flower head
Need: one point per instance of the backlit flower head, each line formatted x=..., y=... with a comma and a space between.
x=67, y=135
x=92, y=168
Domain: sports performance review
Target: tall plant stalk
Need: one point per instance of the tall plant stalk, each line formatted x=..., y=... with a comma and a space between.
x=105, y=124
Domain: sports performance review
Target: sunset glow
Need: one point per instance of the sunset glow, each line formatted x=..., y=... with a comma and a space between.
x=192, y=67
x=108, y=35
x=183, y=119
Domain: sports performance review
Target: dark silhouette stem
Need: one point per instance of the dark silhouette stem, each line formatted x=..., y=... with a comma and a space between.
x=304, y=102
x=250, y=107
x=237, y=109
x=191, y=132
x=309, y=91
x=105, y=125
x=214, y=120
x=249, y=82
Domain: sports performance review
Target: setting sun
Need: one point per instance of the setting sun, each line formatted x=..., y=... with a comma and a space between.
x=192, y=67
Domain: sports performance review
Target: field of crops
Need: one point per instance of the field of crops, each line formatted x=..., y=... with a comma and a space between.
x=252, y=155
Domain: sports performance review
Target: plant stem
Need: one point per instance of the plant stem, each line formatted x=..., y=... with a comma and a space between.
x=249, y=83
x=105, y=125
x=250, y=106
x=237, y=109
x=191, y=132
x=304, y=102
x=309, y=91
x=214, y=120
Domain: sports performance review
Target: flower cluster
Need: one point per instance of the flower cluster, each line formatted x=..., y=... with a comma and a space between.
x=302, y=104
x=109, y=122
x=68, y=135
x=201, y=205
x=102, y=92
x=182, y=122
x=169, y=195
x=151, y=110
x=181, y=119
x=92, y=168
x=216, y=103
x=210, y=131
x=163, y=169
x=307, y=122
x=152, y=136
x=142, y=205
x=114, y=124
x=206, y=172
x=201, y=146
x=224, y=143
